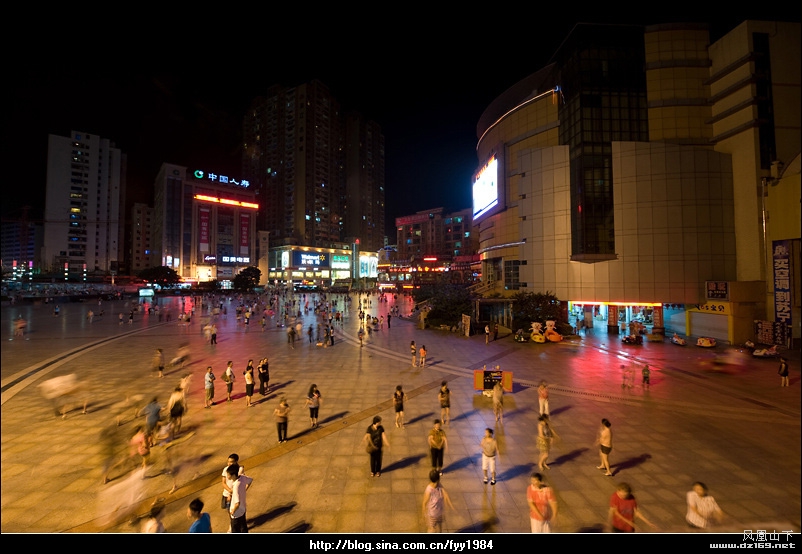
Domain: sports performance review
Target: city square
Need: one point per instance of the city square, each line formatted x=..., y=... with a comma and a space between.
x=729, y=425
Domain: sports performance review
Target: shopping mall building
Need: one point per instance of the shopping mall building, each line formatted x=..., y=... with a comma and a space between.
x=649, y=174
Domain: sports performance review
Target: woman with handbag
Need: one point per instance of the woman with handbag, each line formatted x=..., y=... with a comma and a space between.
x=375, y=439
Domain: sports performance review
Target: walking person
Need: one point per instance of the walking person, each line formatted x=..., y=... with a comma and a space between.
x=414, y=351
x=701, y=507
x=422, y=354
x=158, y=362
x=240, y=484
x=282, y=414
x=495, y=332
x=783, y=372
x=489, y=454
x=214, y=334
x=437, y=446
x=176, y=407
x=543, y=397
x=444, y=397
x=309, y=333
x=313, y=401
x=545, y=437
x=435, y=500
x=249, y=383
x=624, y=510
x=605, y=442
x=646, y=374
x=361, y=335
x=375, y=440
x=542, y=504
x=228, y=379
x=498, y=401
x=264, y=376
x=487, y=334
x=398, y=403
x=208, y=388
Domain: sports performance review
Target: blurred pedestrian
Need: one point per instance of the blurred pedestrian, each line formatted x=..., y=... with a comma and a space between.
x=701, y=507
x=158, y=362
x=176, y=407
x=624, y=510
x=201, y=521
x=542, y=504
x=153, y=523
x=646, y=374
x=543, y=397
x=435, y=500
x=498, y=401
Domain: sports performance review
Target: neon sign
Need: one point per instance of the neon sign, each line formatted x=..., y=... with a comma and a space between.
x=223, y=179
x=205, y=198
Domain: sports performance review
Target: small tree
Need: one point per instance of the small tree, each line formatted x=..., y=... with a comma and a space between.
x=163, y=276
x=540, y=307
x=247, y=279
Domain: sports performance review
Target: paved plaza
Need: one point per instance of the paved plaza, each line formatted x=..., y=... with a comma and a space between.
x=731, y=426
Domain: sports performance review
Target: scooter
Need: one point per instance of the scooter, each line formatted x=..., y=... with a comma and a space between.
x=678, y=340
x=766, y=352
x=632, y=339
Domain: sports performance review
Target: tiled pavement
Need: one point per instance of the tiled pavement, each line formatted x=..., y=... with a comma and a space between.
x=732, y=427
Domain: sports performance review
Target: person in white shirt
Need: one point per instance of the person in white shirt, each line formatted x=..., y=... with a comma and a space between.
x=241, y=483
x=701, y=507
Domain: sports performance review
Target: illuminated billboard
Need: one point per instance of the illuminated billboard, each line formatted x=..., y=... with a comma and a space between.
x=488, y=189
x=368, y=266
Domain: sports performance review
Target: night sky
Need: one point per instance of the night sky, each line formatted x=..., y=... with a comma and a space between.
x=183, y=101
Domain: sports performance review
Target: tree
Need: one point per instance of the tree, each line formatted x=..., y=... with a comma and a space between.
x=448, y=302
x=247, y=279
x=531, y=306
x=163, y=276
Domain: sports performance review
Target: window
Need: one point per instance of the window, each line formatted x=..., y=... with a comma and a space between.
x=511, y=274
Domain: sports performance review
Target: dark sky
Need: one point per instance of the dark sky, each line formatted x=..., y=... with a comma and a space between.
x=183, y=102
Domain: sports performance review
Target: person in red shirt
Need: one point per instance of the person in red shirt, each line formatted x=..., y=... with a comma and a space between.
x=624, y=510
x=542, y=504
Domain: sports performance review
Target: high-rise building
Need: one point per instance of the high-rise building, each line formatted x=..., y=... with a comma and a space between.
x=293, y=156
x=84, y=205
x=140, y=243
x=433, y=233
x=319, y=175
x=363, y=211
x=648, y=174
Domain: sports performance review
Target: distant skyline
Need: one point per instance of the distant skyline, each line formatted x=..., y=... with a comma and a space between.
x=186, y=106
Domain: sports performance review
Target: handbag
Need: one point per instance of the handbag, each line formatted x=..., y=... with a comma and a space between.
x=370, y=448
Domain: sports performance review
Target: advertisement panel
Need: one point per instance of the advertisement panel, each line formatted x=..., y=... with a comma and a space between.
x=781, y=259
x=369, y=266
x=309, y=259
x=245, y=234
x=203, y=229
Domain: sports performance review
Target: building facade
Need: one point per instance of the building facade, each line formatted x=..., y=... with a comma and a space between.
x=204, y=223
x=84, y=206
x=628, y=177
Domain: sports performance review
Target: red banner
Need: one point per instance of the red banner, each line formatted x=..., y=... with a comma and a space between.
x=203, y=229
x=244, y=234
